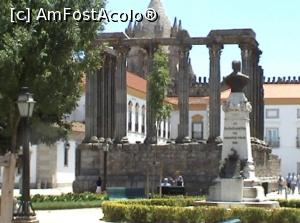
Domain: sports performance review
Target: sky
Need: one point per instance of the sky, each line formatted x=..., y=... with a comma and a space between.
x=276, y=24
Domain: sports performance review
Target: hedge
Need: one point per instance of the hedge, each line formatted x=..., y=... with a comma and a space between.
x=289, y=203
x=146, y=211
x=69, y=197
x=58, y=205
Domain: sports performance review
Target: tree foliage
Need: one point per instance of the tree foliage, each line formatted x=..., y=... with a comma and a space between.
x=47, y=58
x=159, y=83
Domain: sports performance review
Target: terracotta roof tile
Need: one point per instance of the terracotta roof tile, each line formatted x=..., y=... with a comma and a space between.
x=282, y=91
x=136, y=82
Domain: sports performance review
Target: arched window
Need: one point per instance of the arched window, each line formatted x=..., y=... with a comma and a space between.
x=197, y=127
x=164, y=128
x=158, y=128
x=129, y=116
x=137, y=110
x=169, y=128
x=66, y=153
x=143, y=118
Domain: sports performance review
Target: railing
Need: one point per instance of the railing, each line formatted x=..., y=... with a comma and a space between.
x=275, y=143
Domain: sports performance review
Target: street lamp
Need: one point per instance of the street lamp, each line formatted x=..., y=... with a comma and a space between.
x=106, y=145
x=25, y=104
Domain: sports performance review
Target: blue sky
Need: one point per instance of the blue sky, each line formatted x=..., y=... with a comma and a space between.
x=276, y=23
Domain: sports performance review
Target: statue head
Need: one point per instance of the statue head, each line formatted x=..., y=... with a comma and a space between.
x=236, y=66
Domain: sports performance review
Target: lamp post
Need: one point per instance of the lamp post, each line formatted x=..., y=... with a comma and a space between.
x=25, y=104
x=106, y=145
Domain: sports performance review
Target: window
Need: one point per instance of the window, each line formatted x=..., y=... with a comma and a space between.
x=197, y=127
x=298, y=138
x=159, y=129
x=66, y=153
x=169, y=128
x=272, y=113
x=298, y=113
x=164, y=128
x=272, y=137
x=129, y=116
x=143, y=118
x=197, y=130
x=137, y=110
x=298, y=169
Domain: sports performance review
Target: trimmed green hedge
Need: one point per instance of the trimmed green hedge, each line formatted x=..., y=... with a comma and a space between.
x=289, y=203
x=69, y=197
x=177, y=211
x=67, y=201
x=57, y=205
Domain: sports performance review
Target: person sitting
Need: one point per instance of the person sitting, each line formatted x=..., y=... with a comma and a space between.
x=98, y=185
x=179, y=181
x=165, y=183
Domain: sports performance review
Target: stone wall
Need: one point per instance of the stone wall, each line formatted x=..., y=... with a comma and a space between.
x=133, y=165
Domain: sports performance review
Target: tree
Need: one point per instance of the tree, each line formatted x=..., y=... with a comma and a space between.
x=49, y=58
x=159, y=81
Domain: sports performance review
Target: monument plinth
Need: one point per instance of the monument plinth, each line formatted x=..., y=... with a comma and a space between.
x=236, y=181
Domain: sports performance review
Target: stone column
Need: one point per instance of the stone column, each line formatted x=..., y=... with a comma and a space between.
x=261, y=104
x=250, y=59
x=151, y=136
x=91, y=106
x=256, y=93
x=214, y=91
x=87, y=109
x=120, y=96
x=183, y=86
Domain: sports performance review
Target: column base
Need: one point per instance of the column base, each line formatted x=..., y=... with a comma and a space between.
x=122, y=140
x=150, y=140
x=185, y=139
x=25, y=219
x=214, y=139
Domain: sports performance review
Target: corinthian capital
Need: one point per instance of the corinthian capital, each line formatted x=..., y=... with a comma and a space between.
x=215, y=50
x=121, y=50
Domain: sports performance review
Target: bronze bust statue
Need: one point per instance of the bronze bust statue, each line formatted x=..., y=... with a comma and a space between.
x=236, y=80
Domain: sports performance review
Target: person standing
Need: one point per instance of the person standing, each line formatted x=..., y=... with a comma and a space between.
x=298, y=183
x=293, y=182
x=288, y=182
x=98, y=185
x=280, y=183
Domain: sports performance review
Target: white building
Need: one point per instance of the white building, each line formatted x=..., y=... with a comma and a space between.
x=53, y=166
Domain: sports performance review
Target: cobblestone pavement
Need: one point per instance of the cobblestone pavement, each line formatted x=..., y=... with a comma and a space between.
x=89, y=215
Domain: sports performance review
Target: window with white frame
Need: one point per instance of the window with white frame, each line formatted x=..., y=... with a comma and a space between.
x=137, y=110
x=272, y=137
x=130, y=116
x=298, y=139
x=66, y=153
x=143, y=118
x=197, y=130
x=164, y=128
x=197, y=127
x=298, y=113
x=272, y=113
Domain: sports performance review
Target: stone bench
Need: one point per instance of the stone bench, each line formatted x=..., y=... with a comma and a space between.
x=171, y=190
x=125, y=193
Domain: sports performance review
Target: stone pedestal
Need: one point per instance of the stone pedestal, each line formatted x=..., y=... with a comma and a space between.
x=227, y=190
x=237, y=182
x=237, y=132
x=29, y=219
